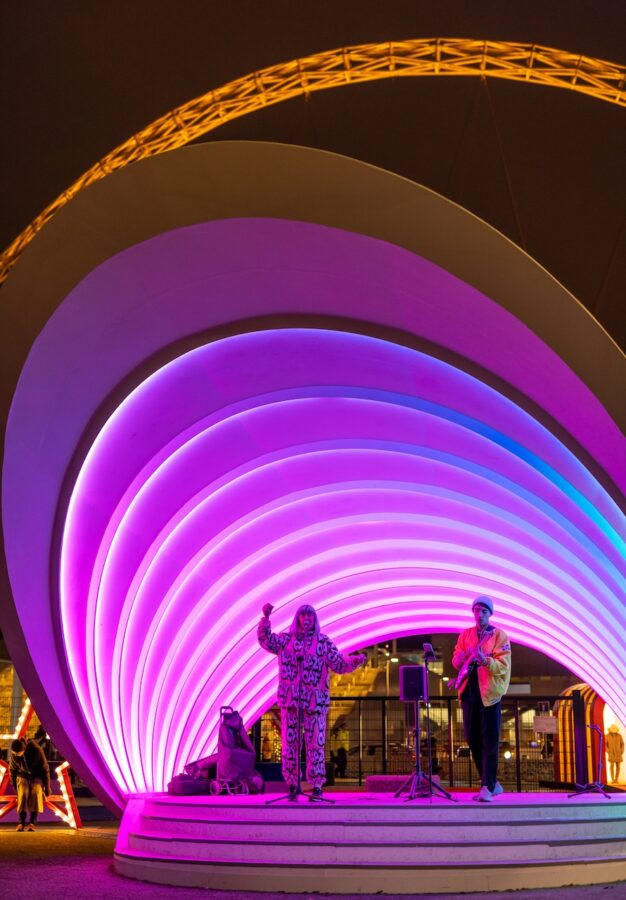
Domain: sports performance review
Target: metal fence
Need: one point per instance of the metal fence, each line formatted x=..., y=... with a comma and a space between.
x=11, y=697
x=13, y=708
x=541, y=747
x=544, y=746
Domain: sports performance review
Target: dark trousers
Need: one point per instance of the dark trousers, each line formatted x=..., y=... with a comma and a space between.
x=482, y=733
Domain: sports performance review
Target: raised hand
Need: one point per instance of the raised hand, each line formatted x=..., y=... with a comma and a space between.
x=267, y=610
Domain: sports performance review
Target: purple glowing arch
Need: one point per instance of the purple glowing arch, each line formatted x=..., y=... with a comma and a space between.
x=258, y=388
x=378, y=483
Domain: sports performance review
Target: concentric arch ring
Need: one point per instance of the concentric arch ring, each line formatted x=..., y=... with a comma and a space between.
x=128, y=279
x=334, y=492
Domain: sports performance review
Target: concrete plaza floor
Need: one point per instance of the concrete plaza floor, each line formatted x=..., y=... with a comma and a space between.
x=78, y=865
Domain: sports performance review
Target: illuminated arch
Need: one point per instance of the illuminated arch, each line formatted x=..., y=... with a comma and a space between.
x=455, y=460
x=378, y=483
x=527, y=63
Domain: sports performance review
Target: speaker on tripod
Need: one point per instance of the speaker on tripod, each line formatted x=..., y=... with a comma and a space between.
x=413, y=683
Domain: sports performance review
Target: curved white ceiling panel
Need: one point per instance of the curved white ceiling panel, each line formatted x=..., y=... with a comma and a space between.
x=246, y=372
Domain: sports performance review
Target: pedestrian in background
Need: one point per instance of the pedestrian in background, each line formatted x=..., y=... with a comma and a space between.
x=30, y=777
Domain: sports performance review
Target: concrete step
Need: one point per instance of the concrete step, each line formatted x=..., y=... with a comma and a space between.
x=447, y=879
x=369, y=843
x=450, y=832
x=385, y=808
x=427, y=853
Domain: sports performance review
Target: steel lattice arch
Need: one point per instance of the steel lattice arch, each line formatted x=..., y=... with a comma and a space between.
x=452, y=57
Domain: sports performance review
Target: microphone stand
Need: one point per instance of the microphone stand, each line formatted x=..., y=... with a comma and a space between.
x=419, y=783
x=415, y=782
x=429, y=656
x=593, y=787
x=299, y=792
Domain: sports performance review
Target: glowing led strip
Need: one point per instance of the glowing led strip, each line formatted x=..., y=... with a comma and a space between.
x=63, y=778
x=169, y=598
x=576, y=633
x=132, y=705
x=507, y=511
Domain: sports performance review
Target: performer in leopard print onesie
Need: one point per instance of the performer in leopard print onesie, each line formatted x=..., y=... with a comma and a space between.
x=305, y=659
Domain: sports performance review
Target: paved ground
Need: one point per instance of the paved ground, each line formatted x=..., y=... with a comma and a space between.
x=68, y=865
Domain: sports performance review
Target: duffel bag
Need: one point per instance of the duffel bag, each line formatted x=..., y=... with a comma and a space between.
x=182, y=785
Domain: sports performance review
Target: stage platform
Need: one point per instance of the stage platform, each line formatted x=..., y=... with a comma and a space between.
x=369, y=843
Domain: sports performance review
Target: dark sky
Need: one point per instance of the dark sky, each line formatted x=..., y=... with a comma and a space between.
x=544, y=166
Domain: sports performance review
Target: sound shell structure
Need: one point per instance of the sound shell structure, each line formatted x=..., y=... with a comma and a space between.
x=224, y=403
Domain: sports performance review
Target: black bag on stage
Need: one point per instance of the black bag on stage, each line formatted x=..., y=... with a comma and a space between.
x=202, y=768
x=184, y=785
x=233, y=763
x=235, y=753
x=196, y=777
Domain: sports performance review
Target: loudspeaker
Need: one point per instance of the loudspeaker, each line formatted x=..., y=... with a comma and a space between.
x=413, y=683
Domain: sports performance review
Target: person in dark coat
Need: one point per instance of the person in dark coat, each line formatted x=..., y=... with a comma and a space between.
x=30, y=777
x=341, y=761
x=42, y=738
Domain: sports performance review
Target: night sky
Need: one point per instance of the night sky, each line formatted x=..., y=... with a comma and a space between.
x=542, y=165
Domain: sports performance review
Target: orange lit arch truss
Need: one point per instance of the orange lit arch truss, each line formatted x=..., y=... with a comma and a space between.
x=528, y=63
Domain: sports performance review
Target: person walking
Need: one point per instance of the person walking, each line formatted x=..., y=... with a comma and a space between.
x=615, y=751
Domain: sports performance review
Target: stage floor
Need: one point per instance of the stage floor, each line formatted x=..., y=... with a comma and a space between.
x=371, y=799
x=368, y=842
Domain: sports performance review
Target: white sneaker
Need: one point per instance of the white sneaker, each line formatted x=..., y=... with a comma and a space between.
x=484, y=795
x=498, y=789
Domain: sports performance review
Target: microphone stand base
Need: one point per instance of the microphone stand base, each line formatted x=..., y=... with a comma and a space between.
x=292, y=797
x=594, y=787
x=420, y=786
x=319, y=799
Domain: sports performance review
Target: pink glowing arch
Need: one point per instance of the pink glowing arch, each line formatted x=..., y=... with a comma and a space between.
x=381, y=484
x=253, y=408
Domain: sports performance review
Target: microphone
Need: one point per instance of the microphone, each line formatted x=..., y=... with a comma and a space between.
x=429, y=653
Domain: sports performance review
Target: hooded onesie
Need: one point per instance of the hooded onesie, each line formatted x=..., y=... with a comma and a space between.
x=305, y=660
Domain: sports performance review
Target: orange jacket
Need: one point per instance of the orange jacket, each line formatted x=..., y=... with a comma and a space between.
x=493, y=679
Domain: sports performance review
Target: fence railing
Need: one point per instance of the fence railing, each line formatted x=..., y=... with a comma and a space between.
x=543, y=746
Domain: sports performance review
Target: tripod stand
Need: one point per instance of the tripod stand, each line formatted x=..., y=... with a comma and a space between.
x=594, y=787
x=293, y=795
x=419, y=783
